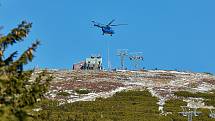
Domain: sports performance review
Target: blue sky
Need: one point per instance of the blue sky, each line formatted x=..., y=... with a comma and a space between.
x=172, y=34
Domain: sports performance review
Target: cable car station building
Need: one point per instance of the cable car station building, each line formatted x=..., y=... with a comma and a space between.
x=91, y=63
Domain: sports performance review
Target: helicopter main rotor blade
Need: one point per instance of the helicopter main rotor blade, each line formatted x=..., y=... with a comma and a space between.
x=97, y=24
x=94, y=22
x=119, y=25
x=111, y=22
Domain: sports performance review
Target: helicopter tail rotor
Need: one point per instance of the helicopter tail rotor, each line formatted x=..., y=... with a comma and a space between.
x=93, y=22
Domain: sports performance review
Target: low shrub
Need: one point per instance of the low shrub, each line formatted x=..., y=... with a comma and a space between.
x=63, y=94
x=82, y=91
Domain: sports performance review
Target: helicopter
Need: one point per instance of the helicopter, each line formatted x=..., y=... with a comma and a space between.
x=106, y=29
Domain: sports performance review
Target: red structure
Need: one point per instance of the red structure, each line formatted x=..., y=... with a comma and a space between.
x=79, y=66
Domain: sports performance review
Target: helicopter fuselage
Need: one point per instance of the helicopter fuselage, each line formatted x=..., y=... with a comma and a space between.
x=107, y=30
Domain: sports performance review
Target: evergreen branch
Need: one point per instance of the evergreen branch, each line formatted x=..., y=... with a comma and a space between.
x=18, y=88
x=26, y=57
x=28, y=54
x=16, y=35
x=9, y=60
x=1, y=27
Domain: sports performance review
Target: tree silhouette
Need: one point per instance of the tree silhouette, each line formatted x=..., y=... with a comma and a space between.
x=17, y=89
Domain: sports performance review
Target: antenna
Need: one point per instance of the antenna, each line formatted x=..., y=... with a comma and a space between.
x=136, y=58
x=122, y=53
x=108, y=56
x=189, y=112
x=1, y=27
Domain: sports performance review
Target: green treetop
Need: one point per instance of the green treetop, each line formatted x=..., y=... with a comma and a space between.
x=17, y=90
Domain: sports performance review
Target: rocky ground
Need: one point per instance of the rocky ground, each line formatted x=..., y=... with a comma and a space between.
x=94, y=84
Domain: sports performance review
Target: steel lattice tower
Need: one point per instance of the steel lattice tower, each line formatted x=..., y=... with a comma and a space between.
x=189, y=112
x=136, y=58
x=122, y=53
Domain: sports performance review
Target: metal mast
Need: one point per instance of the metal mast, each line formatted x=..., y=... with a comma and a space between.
x=1, y=27
x=108, y=56
x=122, y=53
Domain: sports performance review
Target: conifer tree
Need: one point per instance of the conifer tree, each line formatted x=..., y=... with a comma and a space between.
x=17, y=89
